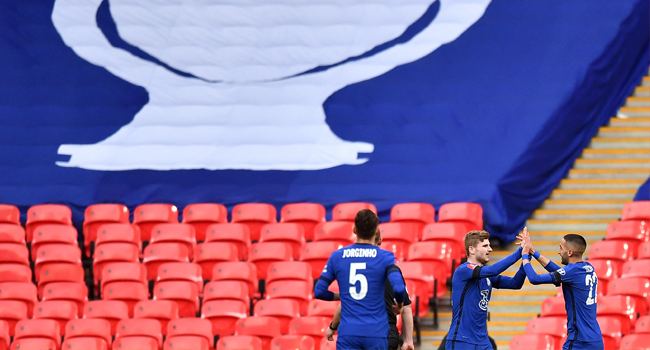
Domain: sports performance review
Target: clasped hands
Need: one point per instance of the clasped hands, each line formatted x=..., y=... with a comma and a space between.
x=526, y=244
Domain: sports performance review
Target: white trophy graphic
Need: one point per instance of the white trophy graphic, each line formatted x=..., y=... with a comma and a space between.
x=250, y=99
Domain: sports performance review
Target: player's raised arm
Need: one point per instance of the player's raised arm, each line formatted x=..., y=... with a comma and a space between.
x=326, y=277
x=549, y=265
x=553, y=277
x=505, y=282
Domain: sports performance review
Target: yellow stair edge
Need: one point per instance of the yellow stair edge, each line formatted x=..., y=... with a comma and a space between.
x=634, y=109
x=593, y=191
x=436, y=343
x=538, y=243
x=602, y=181
x=569, y=221
x=515, y=303
x=586, y=201
x=557, y=233
x=576, y=212
x=492, y=314
x=609, y=161
x=615, y=150
x=522, y=291
x=505, y=253
x=443, y=333
x=608, y=171
x=623, y=128
x=607, y=139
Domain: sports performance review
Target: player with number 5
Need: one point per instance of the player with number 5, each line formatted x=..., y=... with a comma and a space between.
x=361, y=270
x=579, y=286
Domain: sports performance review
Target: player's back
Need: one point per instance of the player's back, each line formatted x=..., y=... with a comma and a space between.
x=360, y=270
x=580, y=288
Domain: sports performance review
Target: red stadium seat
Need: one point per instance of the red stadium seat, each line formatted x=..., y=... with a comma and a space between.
x=313, y=326
x=73, y=292
x=129, y=292
x=440, y=255
x=616, y=251
x=553, y=326
x=20, y=291
x=237, y=234
x=61, y=311
x=260, y=326
x=110, y=310
x=141, y=327
x=254, y=215
x=611, y=329
x=642, y=325
x=397, y=237
x=184, y=293
x=83, y=343
x=553, y=306
x=97, y=215
x=161, y=310
x=135, y=343
x=630, y=232
x=621, y=307
x=606, y=271
x=43, y=328
x=635, y=268
x=638, y=210
x=55, y=254
x=335, y=231
x=117, y=233
x=532, y=341
x=187, y=342
x=284, y=310
x=198, y=327
x=263, y=254
x=157, y=254
x=227, y=290
x=11, y=233
x=53, y=273
x=636, y=287
x=322, y=308
x=470, y=214
x=644, y=251
x=307, y=215
x=302, y=342
x=209, y=254
x=146, y=216
x=223, y=315
x=328, y=345
x=122, y=272
x=89, y=328
x=417, y=215
x=12, y=311
x=15, y=273
x=34, y=343
x=289, y=270
x=290, y=233
x=186, y=272
x=202, y=215
x=12, y=253
x=449, y=232
x=9, y=214
x=635, y=342
x=348, y=211
x=316, y=254
x=112, y=253
x=175, y=233
x=239, y=342
x=422, y=276
x=300, y=291
x=44, y=214
x=237, y=271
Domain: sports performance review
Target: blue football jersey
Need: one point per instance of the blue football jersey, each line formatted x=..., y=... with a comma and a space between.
x=361, y=271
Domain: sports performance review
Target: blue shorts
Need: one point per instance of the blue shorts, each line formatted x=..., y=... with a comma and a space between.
x=583, y=345
x=461, y=345
x=361, y=343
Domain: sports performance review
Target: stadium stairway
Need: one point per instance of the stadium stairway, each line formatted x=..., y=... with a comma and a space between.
x=604, y=178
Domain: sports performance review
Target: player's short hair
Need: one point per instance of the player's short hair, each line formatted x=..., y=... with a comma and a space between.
x=366, y=223
x=473, y=238
x=576, y=243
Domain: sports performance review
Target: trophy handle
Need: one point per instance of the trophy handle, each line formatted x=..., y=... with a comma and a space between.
x=75, y=20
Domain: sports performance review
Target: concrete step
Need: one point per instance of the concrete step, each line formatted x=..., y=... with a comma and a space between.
x=642, y=91
x=583, y=204
x=593, y=194
x=568, y=225
x=582, y=184
x=631, y=122
x=645, y=81
x=640, y=153
x=637, y=102
x=609, y=174
x=612, y=164
x=593, y=214
x=520, y=295
x=635, y=112
x=617, y=143
x=623, y=132
x=553, y=238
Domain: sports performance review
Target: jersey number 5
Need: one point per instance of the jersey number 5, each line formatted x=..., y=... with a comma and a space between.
x=592, y=282
x=358, y=277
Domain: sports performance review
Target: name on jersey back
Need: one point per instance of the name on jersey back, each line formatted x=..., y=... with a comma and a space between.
x=359, y=253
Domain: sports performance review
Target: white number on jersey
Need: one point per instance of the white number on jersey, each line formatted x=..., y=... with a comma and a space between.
x=358, y=277
x=592, y=282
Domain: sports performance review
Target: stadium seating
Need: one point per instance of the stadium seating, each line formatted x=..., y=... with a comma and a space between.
x=254, y=215
x=129, y=292
x=335, y=231
x=135, y=343
x=117, y=233
x=289, y=271
x=53, y=234
x=187, y=272
x=552, y=326
x=142, y=327
x=112, y=253
x=266, y=328
x=43, y=328
x=34, y=343
x=190, y=326
x=53, y=273
x=97, y=215
x=635, y=342
x=15, y=273
x=635, y=268
x=83, y=343
x=175, y=233
x=417, y=215
x=642, y=325
x=55, y=254
x=12, y=233
x=12, y=311
x=224, y=315
x=621, y=307
x=606, y=271
x=307, y=215
x=396, y=237
x=532, y=341
x=312, y=326
x=636, y=287
x=284, y=310
x=24, y=292
x=202, y=215
x=611, y=329
x=73, y=292
x=617, y=252
x=322, y=308
x=4, y=335
x=440, y=254
x=237, y=271
x=227, y=290
x=61, y=311
x=209, y=254
x=146, y=216
x=644, y=251
x=447, y=232
x=89, y=328
x=263, y=254
x=9, y=214
x=122, y=272
x=187, y=342
x=300, y=291
x=185, y=294
x=637, y=210
x=239, y=342
x=348, y=211
x=290, y=233
x=110, y=310
x=237, y=234
x=44, y=214
x=630, y=232
x=316, y=254
x=301, y=342
x=553, y=306
x=469, y=214
x=156, y=254
x=161, y=310
x=422, y=276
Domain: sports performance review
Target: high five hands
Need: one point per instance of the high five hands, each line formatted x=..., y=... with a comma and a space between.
x=526, y=244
